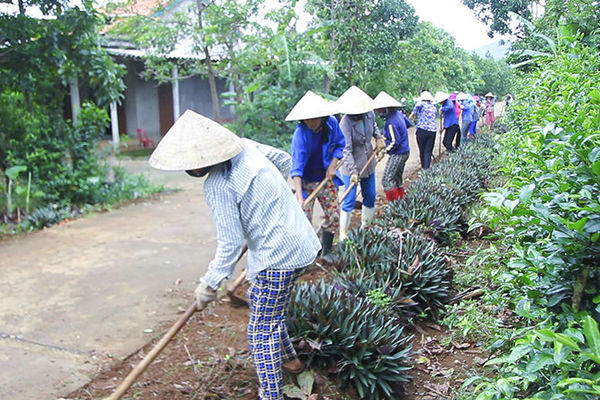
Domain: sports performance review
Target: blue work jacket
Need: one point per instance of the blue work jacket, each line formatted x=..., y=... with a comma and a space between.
x=449, y=114
x=396, y=135
x=467, y=114
x=302, y=145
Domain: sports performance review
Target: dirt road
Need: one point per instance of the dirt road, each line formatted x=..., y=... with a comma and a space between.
x=77, y=296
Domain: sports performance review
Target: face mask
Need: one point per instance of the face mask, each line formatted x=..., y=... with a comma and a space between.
x=197, y=173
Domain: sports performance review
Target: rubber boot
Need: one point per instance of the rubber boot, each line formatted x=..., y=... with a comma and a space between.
x=367, y=216
x=345, y=218
x=326, y=244
x=400, y=193
x=390, y=195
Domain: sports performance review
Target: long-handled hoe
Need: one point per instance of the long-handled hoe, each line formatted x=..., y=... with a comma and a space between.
x=147, y=360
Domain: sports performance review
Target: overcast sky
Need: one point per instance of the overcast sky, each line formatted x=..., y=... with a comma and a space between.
x=456, y=19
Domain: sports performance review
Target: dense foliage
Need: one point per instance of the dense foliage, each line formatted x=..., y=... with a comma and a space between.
x=547, y=217
x=48, y=160
x=351, y=336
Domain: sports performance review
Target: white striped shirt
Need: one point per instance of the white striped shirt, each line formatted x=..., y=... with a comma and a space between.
x=252, y=203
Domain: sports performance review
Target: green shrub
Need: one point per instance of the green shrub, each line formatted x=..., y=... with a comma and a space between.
x=546, y=364
x=48, y=216
x=549, y=209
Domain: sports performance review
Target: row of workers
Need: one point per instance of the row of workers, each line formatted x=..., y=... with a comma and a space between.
x=343, y=153
x=253, y=208
x=459, y=114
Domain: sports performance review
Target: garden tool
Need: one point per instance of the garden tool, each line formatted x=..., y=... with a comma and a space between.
x=375, y=153
x=441, y=136
x=319, y=187
x=147, y=360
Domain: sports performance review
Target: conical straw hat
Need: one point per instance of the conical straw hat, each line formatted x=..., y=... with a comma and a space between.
x=440, y=96
x=384, y=100
x=425, y=96
x=195, y=141
x=462, y=96
x=355, y=101
x=311, y=105
x=490, y=94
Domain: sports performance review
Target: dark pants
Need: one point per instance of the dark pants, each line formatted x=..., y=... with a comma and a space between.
x=425, y=141
x=452, y=132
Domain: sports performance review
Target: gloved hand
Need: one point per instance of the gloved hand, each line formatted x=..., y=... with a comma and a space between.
x=354, y=179
x=380, y=145
x=204, y=295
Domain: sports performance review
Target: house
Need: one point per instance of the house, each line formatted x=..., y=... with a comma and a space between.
x=154, y=107
x=149, y=105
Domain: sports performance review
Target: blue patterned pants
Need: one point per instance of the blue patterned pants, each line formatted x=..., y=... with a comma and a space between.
x=270, y=345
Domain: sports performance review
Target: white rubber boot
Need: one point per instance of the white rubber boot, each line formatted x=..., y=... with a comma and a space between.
x=367, y=216
x=345, y=218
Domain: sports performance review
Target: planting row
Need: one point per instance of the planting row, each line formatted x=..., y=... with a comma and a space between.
x=352, y=323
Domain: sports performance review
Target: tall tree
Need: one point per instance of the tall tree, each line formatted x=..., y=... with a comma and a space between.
x=497, y=13
x=362, y=34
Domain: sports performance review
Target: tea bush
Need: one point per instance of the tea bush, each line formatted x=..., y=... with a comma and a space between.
x=547, y=217
x=549, y=210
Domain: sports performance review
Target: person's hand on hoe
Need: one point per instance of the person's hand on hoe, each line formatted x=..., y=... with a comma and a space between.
x=354, y=179
x=332, y=169
x=380, y=146
x=204, y=295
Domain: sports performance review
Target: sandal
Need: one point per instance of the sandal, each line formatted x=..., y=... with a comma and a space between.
x=294, y=371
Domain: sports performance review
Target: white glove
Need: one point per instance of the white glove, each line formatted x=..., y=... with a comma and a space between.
x=380, y=144
x=354, y=179
x=204, y=295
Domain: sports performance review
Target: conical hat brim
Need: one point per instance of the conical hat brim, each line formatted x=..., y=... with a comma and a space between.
x=195, y=141
x=489, y=95
x=426, y=96
x=462, y=96
x=384, y=100
x=355, y=101
x=310, y=106
x=440, y=96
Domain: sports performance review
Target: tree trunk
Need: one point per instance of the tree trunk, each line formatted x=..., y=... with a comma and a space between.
x=327, y=80
x=579, y=288
x=212, y=82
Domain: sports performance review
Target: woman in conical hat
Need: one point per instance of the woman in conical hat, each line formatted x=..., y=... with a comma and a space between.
x=317, y=146
x=426, y=129
x=359, y=127
x=467, y=106
x=490, y=117
x=449, y=121
x=397, y=144
x=251, y=204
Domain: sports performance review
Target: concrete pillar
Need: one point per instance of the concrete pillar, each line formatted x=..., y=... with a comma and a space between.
x=175, y=89
x=114, y=123
x=75, y=102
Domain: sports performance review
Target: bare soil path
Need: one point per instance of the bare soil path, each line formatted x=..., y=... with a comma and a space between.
x=78, y=296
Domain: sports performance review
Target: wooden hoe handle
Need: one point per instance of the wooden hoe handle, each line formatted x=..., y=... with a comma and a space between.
x=147, y=360
x=141, y=367
x=369, y=161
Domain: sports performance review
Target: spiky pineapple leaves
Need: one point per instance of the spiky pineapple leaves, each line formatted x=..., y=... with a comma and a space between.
x=409, y=269
x=360, y=342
